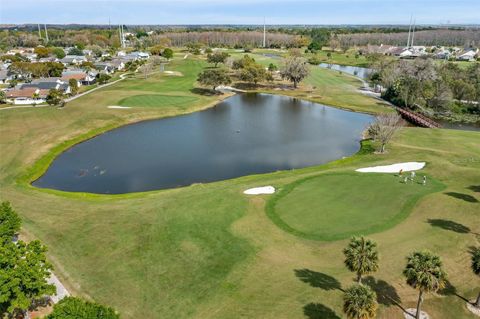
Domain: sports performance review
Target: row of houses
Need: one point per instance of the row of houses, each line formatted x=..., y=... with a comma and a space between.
x=36, y=91
x=437, y=52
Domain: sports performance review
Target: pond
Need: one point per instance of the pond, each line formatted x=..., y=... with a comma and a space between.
x=246, y=134
x=358, y=71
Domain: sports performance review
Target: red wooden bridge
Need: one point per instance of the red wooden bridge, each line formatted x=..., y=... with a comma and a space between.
x=417, y=118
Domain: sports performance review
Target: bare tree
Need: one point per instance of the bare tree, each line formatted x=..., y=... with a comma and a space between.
x=147, y=69
x=295, y=69
x=384, y=128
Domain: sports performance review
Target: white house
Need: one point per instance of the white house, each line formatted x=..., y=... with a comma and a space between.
x=26, y=96
x=82, y=77
x=137, y=55
x=73, y=59
x=46, y=84
x=468, y=55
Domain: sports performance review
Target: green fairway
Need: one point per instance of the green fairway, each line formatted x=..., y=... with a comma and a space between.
x=337, y=206
x=157, y=100
x=350, y=57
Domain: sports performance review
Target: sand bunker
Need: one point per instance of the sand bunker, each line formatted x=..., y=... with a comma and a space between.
x=394, y=168
x=173, y=73
x=118, y=107
x=260, y=190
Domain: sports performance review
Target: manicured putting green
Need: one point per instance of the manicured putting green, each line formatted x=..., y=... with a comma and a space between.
x=337, y=206
x=158, y=100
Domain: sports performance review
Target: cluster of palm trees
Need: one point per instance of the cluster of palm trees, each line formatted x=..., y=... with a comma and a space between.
x=423, y=272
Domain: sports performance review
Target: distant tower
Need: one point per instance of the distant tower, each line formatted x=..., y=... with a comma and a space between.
x=120, y=36
x=409, y=31
x=123, y=38
x=46, y=32
x=264, y=33
x=413, y=31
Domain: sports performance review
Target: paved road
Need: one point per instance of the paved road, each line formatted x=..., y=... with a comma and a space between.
x=122, y=77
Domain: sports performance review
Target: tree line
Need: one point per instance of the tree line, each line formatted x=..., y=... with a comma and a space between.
x=445, y=37
x=439, y=89
x=239, y=39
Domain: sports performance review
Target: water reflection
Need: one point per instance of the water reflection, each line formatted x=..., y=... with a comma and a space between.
x=246, y=134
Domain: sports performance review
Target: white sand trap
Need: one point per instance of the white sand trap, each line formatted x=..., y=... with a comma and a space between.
x=118, y=107
x=394, y=168
x=173, y=73
x=260, y=190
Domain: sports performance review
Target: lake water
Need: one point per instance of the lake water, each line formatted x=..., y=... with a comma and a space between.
x=246, y=134
x=358, y=71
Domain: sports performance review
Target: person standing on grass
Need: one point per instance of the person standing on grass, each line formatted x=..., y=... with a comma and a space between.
x=424, y=180
x=412, y=176
x=405, y=180
x=401, y=172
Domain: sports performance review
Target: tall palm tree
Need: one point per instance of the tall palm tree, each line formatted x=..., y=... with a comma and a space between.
x=360, y=302
x=476, y=269
x=361, y=256
x=424, y=272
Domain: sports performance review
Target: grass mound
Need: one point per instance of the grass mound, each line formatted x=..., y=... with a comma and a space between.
x=336, y=206
x=158, y=100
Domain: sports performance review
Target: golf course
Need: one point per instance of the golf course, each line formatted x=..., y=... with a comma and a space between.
x=210, y=251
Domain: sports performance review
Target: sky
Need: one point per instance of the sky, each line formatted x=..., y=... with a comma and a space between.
x=239, y=12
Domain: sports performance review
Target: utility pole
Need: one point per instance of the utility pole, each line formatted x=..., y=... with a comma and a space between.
x=413, y=31
x=46, y=32
x=409, y=30
x=264, y=33
x=120, y=36
x=123, y=38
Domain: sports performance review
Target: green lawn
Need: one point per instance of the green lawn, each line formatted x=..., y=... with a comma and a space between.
x=157, y=100
x=347, y=58
x=208, y=251
x=337, y=206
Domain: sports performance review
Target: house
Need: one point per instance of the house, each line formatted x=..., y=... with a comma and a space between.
x=82, y=77
x=73, y=59
x=19, y=51
x=29, y=95
x=118, y=64
x=47, y=84
x=443, y=54
x=5, y=77
x=31, y=56
x=49, y=59
x=380, y=49
x=468, y=55
x=104, y=67
x=137, y=55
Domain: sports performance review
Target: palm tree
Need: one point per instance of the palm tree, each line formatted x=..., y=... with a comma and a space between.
x=35, y=97
x=476, y=269
x=361, y=256
x=360, y=302
x=424, y=272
